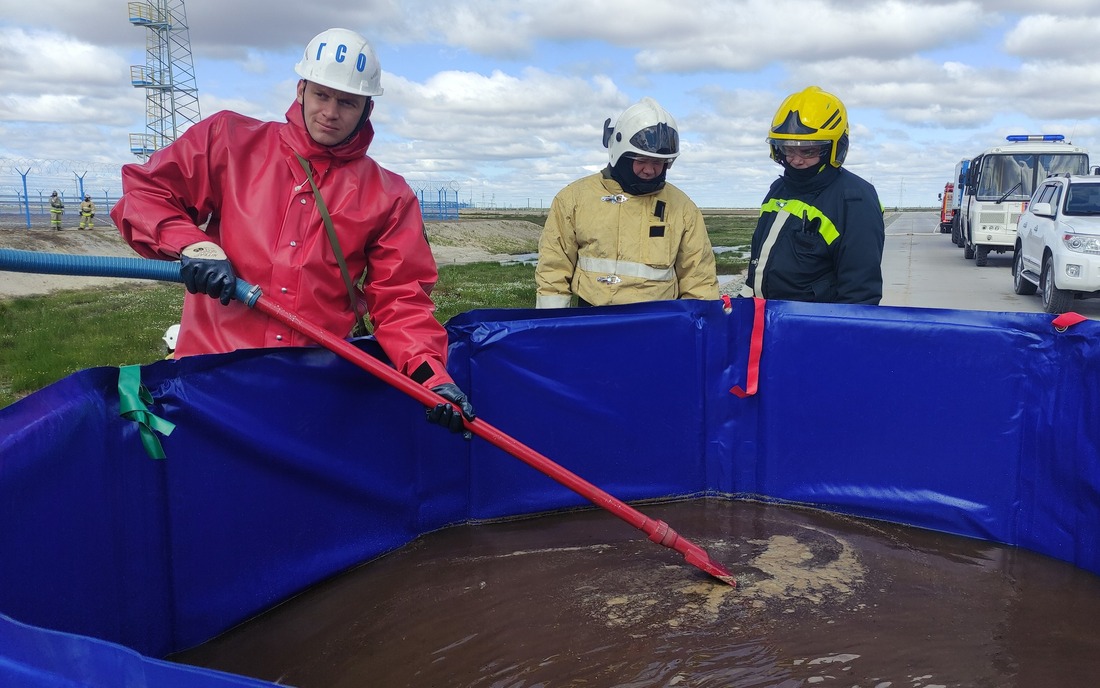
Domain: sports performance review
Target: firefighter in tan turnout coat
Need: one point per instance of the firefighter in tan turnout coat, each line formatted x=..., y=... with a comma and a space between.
x=624, y=235
x=87, y=213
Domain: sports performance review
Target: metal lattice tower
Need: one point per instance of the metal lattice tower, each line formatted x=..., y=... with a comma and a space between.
x=168, y=75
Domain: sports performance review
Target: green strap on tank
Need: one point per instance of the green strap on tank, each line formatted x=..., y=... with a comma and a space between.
x=133, y=404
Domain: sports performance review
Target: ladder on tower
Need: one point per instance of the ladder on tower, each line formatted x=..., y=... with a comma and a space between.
x=168, y=75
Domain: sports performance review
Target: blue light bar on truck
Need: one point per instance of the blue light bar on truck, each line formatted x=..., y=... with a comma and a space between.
x=1035, y=137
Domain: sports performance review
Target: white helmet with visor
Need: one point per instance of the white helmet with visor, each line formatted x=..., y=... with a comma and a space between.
x=644, y=129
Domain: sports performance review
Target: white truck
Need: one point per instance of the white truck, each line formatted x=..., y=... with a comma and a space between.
x=999, y=183
x=1058, y=243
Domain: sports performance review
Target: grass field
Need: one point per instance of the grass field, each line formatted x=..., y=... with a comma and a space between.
x=45, y=338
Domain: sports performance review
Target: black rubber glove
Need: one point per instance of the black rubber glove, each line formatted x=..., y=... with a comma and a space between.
x=447, y=415
x=214, y=277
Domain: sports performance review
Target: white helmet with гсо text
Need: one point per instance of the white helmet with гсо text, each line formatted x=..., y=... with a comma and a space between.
x=344, y=60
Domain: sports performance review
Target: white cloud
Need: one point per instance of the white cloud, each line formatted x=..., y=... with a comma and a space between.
x=36, y=61
x=508, y=98
x=534, y=126
x=1064, y=39
x=750, y=35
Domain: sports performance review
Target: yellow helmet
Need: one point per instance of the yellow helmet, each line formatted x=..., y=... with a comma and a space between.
x=809, y=118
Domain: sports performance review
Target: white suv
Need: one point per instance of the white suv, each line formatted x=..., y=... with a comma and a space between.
x=1058, y=242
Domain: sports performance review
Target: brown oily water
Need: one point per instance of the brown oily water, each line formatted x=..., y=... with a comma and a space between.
x=582, y=599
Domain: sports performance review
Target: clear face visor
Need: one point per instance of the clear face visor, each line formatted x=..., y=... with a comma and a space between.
x=799, y=148
x=659, y=139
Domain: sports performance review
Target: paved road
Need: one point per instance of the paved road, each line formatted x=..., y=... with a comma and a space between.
x=922, y=268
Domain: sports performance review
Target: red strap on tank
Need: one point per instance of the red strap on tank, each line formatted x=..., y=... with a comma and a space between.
x=1067, y=320
x=756, y=345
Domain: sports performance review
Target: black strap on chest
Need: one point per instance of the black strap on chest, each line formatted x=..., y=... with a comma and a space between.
x=362, y=327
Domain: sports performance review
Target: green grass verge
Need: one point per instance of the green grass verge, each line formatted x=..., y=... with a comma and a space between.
x=466, y=287
x=45, y=338
x=730, y=230
x=733, y=231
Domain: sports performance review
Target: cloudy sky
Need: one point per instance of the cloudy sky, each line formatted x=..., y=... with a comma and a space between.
x=505, y=101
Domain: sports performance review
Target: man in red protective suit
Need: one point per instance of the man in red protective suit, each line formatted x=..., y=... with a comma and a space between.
x=231, y=196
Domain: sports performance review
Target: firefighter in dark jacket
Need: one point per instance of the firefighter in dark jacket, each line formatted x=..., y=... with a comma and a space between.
x=820, y=233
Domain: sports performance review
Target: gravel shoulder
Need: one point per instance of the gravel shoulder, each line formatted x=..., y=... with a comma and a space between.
x=103, y=241
x=453, y=242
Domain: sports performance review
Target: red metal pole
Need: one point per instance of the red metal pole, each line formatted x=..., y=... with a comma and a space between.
x=658, y=531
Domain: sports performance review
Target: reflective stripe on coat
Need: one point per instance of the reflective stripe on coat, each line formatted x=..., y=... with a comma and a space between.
x=827, y=247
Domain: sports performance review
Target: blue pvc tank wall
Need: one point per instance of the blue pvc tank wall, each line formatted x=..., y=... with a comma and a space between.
x=288, y=466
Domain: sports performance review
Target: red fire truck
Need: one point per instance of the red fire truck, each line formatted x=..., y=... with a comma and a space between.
x=947, y=207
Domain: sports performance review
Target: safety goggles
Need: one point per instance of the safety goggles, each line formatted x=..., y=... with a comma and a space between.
x=804, y=152
x=659, y=139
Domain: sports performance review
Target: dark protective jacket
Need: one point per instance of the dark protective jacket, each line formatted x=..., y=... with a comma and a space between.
x=239, y=179
x=829, y=246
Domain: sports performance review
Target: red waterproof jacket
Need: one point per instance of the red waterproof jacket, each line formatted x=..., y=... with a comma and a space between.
x=240, y=178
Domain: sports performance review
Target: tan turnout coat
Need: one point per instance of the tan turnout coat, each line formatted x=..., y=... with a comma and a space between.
x=608, y=247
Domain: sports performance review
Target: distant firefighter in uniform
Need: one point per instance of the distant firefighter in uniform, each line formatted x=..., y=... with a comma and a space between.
x=87, y=213
x=57, y=209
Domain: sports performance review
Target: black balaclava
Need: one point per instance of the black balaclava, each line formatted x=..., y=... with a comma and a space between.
x=803, y=175
x=623, y=172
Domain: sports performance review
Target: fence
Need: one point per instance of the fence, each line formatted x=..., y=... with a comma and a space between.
x=16, y=211
x=26, y=185
x=437, y=201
